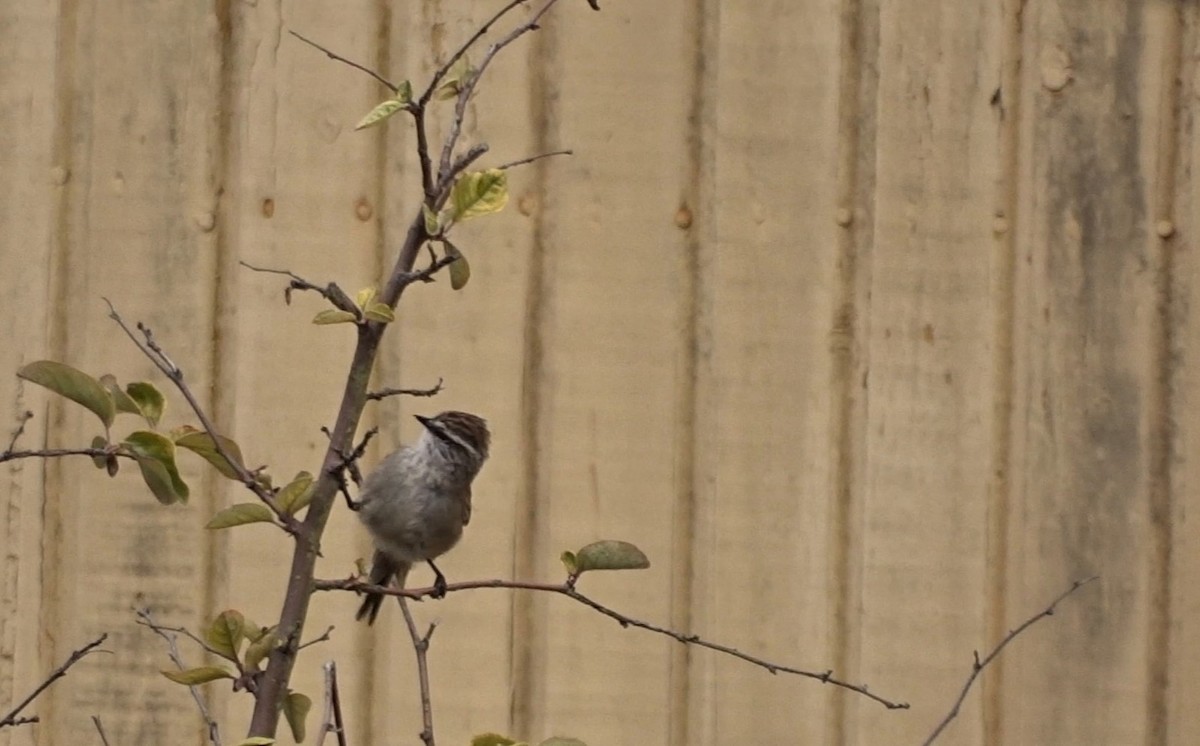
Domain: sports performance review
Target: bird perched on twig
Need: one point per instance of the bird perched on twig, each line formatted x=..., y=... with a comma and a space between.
x=418, y=499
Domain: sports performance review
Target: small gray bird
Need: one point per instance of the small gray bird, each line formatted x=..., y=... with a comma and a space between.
x=418, y=499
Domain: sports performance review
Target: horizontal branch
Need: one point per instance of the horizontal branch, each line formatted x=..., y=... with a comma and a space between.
x=384, y=393
x=59, y=452
x=568, y=589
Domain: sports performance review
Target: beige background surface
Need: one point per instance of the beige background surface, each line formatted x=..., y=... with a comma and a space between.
x=869, y=321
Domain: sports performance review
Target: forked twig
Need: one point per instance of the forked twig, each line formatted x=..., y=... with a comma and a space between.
x=421, y=648
x=981, y=663
x=168, y=634
x=13, y=717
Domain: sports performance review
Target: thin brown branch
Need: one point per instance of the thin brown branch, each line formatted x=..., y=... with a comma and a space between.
x=330, y=292
x=979, y=664
x=323, y=637
x=151, y=349
x=532, y=158
x=100, y=730
x=426, y=275
x=58, y=452
x=385, y=393
x=568, y=589
x=421, y=648
x=332, y=721
x=458, y=53
x=12, y=718
x=168, y=634
x=468, y=88
x=25, y=417
x=334, y=56
x=474, y=153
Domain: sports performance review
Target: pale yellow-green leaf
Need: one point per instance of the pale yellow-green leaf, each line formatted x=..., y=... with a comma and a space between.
x=241, y=514
x=295, y=709
x=433, y=225
x=456, y=77
x=260, y=648
x=201, y=675
x=610, y=555
x=381, y=312
x=201, y=444
x=226, y=633
x=296, y=494
x=478, y=193
x=569, y=562
x=386, y=109
x=560, y=741
x=363, y=297
x=492, y=739
x=150, y=401
x=74, y=384
x=257, y=741
x=155, y=455
x=460, y=270
x=334, y=316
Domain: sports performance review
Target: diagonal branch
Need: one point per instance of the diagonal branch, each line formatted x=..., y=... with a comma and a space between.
x=568, y=589
x=421, y=648
x=168, y=634
x=981, y=663
x=12, y=718
x=334, y=56
x=330, y=292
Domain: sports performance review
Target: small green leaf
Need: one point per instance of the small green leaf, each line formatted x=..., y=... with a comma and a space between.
x=381, y=312
x=241, y=514
x=460, y=270
x=257, y=741
x=478, y=193
x=364, y=297
x=201, y=443
x=226, y=633
x=454, y=81
x=334, y=316
x=433, y=226
x=74, y=384
x=610, y=555
x=201, y=675
x=100, y=461
x=295, y=709
x=569, y=562
x=492, y=739
x=120, y=398
x=386, y=109
x=155, y=455
x=149, y=399
x=560, y=741
x=260, y=648
x=297, y=493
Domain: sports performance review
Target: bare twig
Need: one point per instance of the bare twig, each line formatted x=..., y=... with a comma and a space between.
x=58, y=452
x=151, y=349
x=979, y=664
x=324, y=637
x=468, y=88
x=334, y=56
x=532, y=158
x=458, y=53
x=100, y=729
x=25, y=417
x=568, y=589
x=384, y=393
x=421, y=648
x=332, y=722
x=168, y=634
x=426, y=275
x=12, y=718
x=330, y=292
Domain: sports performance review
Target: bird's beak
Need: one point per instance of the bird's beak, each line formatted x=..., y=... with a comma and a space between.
x=423, y=420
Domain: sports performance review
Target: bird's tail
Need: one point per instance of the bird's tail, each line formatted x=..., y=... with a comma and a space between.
x=383, y=570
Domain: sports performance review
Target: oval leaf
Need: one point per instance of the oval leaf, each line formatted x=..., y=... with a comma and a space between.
x=201, y=443
x=240, y=514
x=569, y=562
x=74, y=384
x=201, y=675
x=560, y=741
x=155, y=456
x=226, y=633
x=454, y=80
x=460, y=271
x=380, y=312
x=610, y=555
x=364, y=297
x=479, y=193
x=100, y=461
x=257, y=741
x=382, y=111
x=334, y=316
x=295, y=709
x=259, y=649
x=120, y=398
x=492, y=739
x=149, y=400
x=297, y=493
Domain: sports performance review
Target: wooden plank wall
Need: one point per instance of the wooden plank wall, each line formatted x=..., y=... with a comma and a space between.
x=868, y=321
